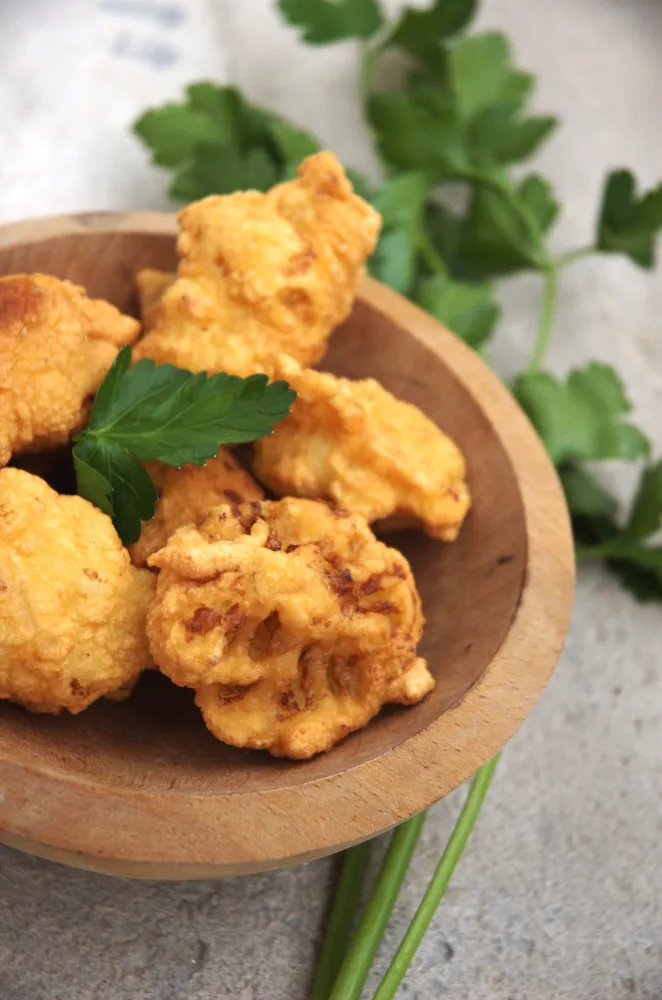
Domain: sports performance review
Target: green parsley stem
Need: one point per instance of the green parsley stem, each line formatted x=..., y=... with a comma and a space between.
x=371, y=54
x=546, y=319
x=342, y=913
x=572, y=255
x=367, y=70
x=354, y=970
x=431, y=255
x=437, y=887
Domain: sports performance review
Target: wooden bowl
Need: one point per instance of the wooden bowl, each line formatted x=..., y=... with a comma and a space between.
x=142, y=789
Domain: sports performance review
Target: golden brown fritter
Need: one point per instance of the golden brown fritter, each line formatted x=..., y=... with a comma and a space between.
x=151, y=284
x=187, y=495
x=72, y=607
x=56, y=346
x=264, y=273
x=354, y=443
x=291, y=620
x=300, y=715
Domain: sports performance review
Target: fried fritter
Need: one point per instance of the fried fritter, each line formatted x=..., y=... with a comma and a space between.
x=354, y=443
x=291, y=620
x=151, y=285
x=300, y=715
x=56, y=346
x=187, y=495
x=264, y=273
x=72, y=607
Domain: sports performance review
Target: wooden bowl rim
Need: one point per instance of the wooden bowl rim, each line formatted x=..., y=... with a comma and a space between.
x=382, y=791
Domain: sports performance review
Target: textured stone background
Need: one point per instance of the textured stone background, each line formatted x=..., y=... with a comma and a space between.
x=559, y=894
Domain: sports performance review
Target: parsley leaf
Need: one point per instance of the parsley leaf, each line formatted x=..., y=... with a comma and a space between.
x=173, y=132
x=638, y=565
x=646, y=513
x=497, y=136
x=584, y=495
x=210, y=114
x=481, y=75
x=499, y=235
x=401, y=202
x=423, y=130
x=420, y=31
x=324, y=21
x=292, y=144
x=129, y=495
x=402, y=254
x=222, y=170
x=467, y=309
x=419, y=133
x=218, y=143
x=174, y=416
x=168, y=414
x=92, y=483
x=629, y=224
x=581, y=419
x=536, y=193
x=503, y=232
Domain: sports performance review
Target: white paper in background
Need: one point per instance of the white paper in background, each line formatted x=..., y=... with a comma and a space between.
x=74, y=74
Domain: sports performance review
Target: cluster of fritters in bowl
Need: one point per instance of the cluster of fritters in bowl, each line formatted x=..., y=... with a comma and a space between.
x=290, y=619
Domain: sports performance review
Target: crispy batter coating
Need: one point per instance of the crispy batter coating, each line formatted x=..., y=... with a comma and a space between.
x=151, y=284
x=187, y=495
x=56, y=346
x=264, y=273
x=291, y=620
x=354, y=443
x=72, y=607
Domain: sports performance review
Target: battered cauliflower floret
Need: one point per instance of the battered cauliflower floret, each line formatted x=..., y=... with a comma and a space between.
x=327, y=698
x=151, y=285
x=56, y=346
x=263, y=273
x=72, y=607
x=354, y=443
x=187, y=495
x=294, y=624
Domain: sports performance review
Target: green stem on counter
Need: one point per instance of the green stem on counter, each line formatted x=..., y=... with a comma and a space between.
x=341, y=917
x=354, y=970
x=437, y=887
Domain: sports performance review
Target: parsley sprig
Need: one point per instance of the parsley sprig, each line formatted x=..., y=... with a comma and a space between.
x=158, y=412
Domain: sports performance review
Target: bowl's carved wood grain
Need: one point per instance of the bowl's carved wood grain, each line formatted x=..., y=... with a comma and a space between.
x=140, y=788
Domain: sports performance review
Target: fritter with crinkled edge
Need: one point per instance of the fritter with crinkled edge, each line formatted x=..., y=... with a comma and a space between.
x=187, y=495
x=261, y=273
x=72, y=607
x=56, y=346
x=306, y=713
x=291, y=620
x=354, y=443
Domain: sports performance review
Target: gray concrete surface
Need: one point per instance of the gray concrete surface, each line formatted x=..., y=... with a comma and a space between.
x=558, y=897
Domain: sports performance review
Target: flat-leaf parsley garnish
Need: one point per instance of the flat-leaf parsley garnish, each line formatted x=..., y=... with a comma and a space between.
x=156, y=412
